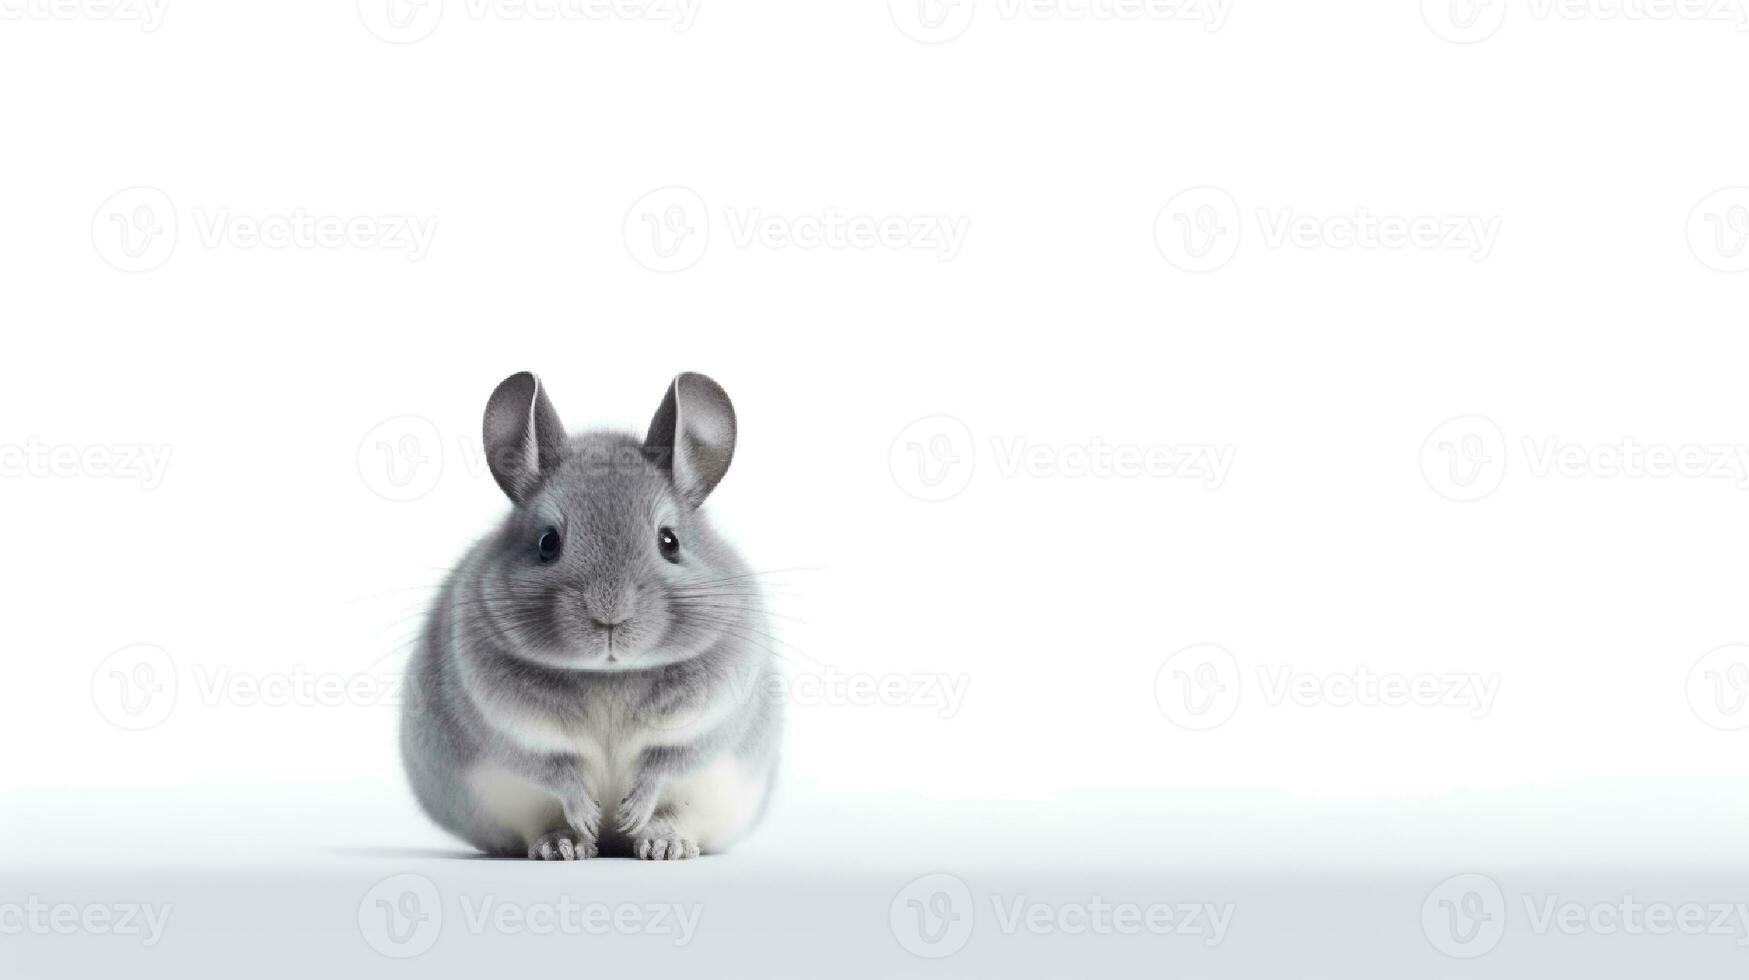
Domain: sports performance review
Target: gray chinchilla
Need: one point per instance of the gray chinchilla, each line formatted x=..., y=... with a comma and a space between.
x=595, y=675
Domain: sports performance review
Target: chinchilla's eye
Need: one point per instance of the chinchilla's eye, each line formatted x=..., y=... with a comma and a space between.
x=550, y=544
x=668, y=543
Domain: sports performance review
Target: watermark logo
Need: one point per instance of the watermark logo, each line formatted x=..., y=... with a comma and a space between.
x=135, y=230
x=934, y=458
x=402, y=916
x=933, y=916
x=1198, y=688
x=1198, y=229
x=1464, y=916
x=1464, y=459
x=1464, y=21
x=932, y=21
x=1718, y=688
x=1718, y=230
x=139, y=687
x=668, y=229
x=135, y=688
x=401, y=459
x=1472, y=21
x=401, y=21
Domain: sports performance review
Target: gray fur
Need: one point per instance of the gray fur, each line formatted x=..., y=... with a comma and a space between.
x=539, y=674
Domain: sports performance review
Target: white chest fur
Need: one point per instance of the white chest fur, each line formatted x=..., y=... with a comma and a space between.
x=712, y=805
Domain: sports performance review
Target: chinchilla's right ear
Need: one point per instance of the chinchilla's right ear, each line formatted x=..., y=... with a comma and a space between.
x=524, y=437
x=693, y=435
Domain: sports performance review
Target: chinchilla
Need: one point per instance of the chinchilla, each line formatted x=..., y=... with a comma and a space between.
x=596, y=675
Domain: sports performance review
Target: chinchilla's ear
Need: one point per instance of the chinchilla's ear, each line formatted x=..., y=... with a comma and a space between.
x=693, y=435
x=524, y=437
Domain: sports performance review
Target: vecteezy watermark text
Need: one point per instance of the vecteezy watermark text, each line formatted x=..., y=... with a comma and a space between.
x=1200, y=230
x=148, y=14
x=138, y=229
x=1472, y=21
x=1201, y=687
x=408, y=21
x=35, y=459
x=133, y=920
x=935, y=458
x=403, y=916
x=938, y=21
x=1467, y=458
x=138, y=687
x=1467, y=915
x=668, y=230
x=934, y=916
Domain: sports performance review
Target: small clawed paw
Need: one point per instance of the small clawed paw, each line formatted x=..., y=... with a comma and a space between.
x=672, y=848
x=585, y=815
x=636, y=810
x=563, y=845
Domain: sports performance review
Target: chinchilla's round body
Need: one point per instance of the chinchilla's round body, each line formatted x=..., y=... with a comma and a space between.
x=596, y=676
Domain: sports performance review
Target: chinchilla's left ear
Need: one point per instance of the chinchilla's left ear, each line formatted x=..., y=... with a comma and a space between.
x=524, y=439
x=693, y=435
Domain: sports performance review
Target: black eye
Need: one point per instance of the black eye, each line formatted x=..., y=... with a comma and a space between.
x=550, y=544
x=668, y=543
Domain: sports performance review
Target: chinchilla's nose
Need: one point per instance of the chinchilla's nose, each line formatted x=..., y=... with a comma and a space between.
x=608, y=605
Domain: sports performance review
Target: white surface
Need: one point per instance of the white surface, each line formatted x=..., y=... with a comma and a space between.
x=289, y=879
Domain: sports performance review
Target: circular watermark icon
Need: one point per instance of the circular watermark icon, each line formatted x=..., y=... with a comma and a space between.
x=667, y=229
x=1718, y=687
x=401, y=459
x=1464, y=459
x=1198, y=229
x=1464, y=21
x=135, y=687
x=933, y=458
x=135, y=230
x=401, y=916
x=932, y=21
x=1198, y=687
x=401, y=21
x=932, y=917
x=1718, y=230
x=1464, y=916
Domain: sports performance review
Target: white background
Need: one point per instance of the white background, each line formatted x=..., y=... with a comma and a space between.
x=1604, y=311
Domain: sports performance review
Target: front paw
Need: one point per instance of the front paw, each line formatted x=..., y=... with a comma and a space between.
x=638, y=807
x=582, y=813
x=563, y=845
x=665, y=846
